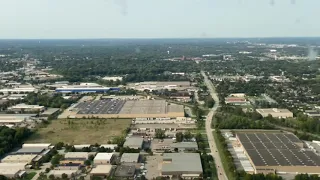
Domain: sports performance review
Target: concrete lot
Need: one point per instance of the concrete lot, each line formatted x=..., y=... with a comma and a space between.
x=153, y=166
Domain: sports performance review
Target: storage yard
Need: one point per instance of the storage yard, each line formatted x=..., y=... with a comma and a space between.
x=117, y=108
x=277, y=152
x=81, y=131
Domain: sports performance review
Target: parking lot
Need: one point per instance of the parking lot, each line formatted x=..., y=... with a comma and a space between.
x=106, y=106
x=153, y=166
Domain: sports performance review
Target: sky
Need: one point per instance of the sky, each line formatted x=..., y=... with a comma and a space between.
x=78, y=19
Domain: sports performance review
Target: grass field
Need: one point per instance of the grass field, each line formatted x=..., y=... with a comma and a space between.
x=80, y=131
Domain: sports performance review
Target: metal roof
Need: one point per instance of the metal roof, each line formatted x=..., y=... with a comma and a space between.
x=181, y=162
x=130, y=157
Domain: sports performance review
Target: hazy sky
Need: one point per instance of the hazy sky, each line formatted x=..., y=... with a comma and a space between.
x=158, y=18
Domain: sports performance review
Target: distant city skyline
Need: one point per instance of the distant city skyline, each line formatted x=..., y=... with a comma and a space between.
x=84, y=19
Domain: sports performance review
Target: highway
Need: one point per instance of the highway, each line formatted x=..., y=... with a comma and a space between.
x=209, y=130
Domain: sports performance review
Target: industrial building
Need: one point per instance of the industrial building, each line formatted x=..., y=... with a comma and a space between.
x=50, y=112
x=30, y=150
x=37, y=145
x=275, y=112
x=101, y=171
x=155, y=85
x=27, y=158
x=59, y=173
x=86, y=88
x=134, y=142
x=169, y=145
x=26, y=108
x=125, y=172
x=177, y=165
x=103, y=158
x=117, y=108
x=130, y=158
x=75, y=158
x=236, y=100
x=18, y=90
x=278, y=153
x=14, y=119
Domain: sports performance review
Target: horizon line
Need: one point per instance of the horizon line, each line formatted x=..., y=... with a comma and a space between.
x=159, y=38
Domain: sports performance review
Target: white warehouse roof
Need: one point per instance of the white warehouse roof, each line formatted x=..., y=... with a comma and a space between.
x=103, y=156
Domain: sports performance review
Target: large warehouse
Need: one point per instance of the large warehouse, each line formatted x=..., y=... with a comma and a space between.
x=115, y=108
x=184, y=165
x=278, y=153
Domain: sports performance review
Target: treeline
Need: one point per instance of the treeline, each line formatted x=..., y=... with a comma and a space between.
x=10, y=138
x=307, y=177
x=230, y=117
x=53, y=101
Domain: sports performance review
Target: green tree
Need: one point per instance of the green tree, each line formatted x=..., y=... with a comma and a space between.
x=160, y=134
x=179, y=136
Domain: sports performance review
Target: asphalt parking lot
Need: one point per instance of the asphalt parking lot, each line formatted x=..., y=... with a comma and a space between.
x=106, y=106
x=153, y=166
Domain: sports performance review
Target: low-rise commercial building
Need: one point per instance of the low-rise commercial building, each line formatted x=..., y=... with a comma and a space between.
x=134, y=142
x=59, y=173
x=103, y=158
x=19, y=158
x=177, y=165
x=26, y=108
x=37, y=145
x=101, y=171
x=29, y=150
x=236, y=100
x=75, y=158
x=130, y=158
x=275, y=112
x=125, y=172
x=50, y=112
x=171, y=146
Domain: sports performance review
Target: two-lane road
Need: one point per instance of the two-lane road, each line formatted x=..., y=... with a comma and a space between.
x=209, y=130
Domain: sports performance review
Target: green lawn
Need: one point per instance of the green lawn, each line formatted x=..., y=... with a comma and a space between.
x=29, y=176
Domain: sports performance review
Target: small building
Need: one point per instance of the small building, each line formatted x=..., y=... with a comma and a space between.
x=177, y=165
x=59, y=173
x=69, y=167
x=312, y=113
x=101, y=171
x=134, y=142
x=125, y=172
x=275, y=112
x=236, y=100
x=81, y=146
x=37, y=145
x=172, y=146
x=26, y=108
x=109, y=146
x=130, y=158
x=50, y=112
x=75, y=158
x=30, y=150
x=19, y=158
x=103, y=158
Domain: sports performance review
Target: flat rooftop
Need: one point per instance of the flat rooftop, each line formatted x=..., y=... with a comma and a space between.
x=273, y=110
x=101, y=169
x=144, y=107
x=103, y=156
x=19, y=158
x=133, y=142
x=277, y=149
x=125, y=171
x=130, y=157
x=180, y=162
x=30, y=150
x=50, y=111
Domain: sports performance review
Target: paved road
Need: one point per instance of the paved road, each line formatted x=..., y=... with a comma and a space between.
x=212, y=143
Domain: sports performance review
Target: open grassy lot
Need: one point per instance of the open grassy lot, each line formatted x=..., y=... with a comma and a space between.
x=80, y=131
